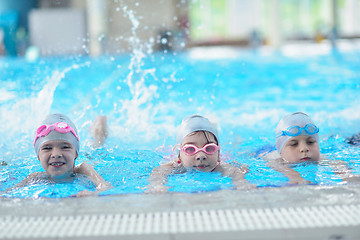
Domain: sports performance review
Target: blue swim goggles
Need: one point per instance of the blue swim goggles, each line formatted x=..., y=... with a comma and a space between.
x=294, y=131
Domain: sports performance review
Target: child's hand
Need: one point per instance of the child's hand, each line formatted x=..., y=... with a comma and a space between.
x=156, y=189
x=352, y=178
x=298, y=180
x=245, y=185
x=91, y=174
x=86, y=193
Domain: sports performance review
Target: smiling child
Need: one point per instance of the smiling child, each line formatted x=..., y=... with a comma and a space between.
x=57, y=146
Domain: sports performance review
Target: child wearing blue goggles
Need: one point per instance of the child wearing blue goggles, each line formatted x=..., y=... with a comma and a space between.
x=297, y=141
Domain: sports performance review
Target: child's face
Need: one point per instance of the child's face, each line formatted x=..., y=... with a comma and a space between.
x=200, y=161
x=301, y=148
x=57, y=157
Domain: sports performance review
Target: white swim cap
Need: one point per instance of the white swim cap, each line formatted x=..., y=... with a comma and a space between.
x=55, y=135
x=296, y=119
x=195, y=123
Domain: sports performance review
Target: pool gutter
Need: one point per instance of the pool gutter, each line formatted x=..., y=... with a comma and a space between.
x=302, y=212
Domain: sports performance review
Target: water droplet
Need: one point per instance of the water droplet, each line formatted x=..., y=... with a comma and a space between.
x=101, y=37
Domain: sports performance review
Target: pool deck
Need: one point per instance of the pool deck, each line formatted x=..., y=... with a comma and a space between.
x=177, y=208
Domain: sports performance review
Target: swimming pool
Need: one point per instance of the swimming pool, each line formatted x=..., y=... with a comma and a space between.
x=145, y=97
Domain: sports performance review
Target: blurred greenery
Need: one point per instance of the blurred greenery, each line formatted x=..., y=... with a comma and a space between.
x=208, y=18
x=299, y=19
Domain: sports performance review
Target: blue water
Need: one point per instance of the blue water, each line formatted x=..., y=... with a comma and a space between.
x=245, y=93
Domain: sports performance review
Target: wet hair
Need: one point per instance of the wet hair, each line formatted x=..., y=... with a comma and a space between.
x=207, y=139
x=205, y=135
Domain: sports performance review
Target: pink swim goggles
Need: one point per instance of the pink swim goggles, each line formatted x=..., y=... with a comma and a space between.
x=190, y=149
x=61, y=127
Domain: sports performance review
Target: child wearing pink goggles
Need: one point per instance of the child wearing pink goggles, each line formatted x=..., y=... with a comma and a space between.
x=198, y=148
x=56, y=145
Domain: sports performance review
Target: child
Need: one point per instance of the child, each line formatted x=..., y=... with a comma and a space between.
x=198, y=144
x=56, y=145
x=297, y=141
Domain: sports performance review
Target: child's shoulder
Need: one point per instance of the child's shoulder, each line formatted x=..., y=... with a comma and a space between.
x=36, y=175
x=32, y=178
x=175, y=166
x=270, y=155
x=167, y=167
x=265, y=149
x=171, y=167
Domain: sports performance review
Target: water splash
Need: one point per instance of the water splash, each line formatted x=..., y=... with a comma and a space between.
x=23, y=115
x=136, y=114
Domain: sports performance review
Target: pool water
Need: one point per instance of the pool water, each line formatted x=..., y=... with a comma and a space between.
x=145, y=97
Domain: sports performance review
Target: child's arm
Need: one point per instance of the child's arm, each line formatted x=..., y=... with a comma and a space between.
x=96, y=178
x=293, y=176
x=158, y=178
x=237, y=175
x=31, y=178
x=275, y=162
x=342, y=169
